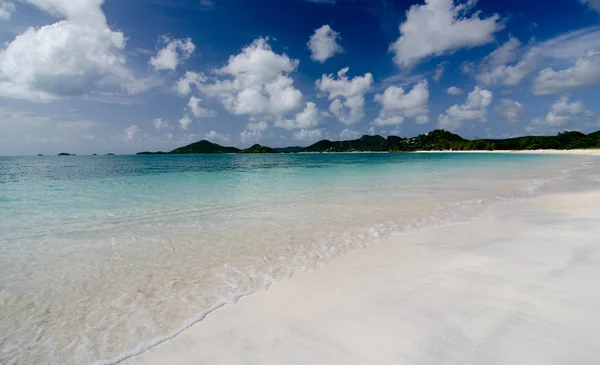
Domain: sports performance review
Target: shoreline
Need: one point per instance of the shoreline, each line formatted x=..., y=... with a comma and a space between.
x=591, y=152
x=342, y=312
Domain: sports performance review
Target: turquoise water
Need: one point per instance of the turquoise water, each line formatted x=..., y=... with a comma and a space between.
x=103, y=256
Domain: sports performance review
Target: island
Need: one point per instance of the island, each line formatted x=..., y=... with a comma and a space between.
x=110, y=154
x=39, y=154
x=437, y=140
x=65, y=154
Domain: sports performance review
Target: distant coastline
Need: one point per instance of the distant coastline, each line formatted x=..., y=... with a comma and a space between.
x=437, y=140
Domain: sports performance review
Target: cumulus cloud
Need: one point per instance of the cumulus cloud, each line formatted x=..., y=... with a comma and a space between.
x=249, y=137
x=585, y=72
x=307, y=118
x=80, y=54
x=387, y=120
x=160, y=123
x=254, y=82
x=512, y=111
x=441, y=27
x=349, y=134
x=474, y=108
x=217, y=137
x=396, y=104
x=348, y=95
x=131, y=132
x=308, y=135
x=174, y=52
x=185, y=122
x=254, y=131
x=257, y=126
x=197, y=110
x=184, y=85
x=323, y=44
x=562, y=113
x=453, y=90
x=6, y=10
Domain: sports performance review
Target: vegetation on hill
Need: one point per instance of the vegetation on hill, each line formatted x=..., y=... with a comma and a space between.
x=259, y=149
x=437, y=140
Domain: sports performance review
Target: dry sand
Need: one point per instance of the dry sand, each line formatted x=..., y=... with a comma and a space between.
x=519, y=286
x=590, y=152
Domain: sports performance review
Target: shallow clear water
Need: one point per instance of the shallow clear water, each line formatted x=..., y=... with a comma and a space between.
x=103, y=256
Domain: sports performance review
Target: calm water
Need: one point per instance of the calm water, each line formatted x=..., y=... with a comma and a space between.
x=102, y=256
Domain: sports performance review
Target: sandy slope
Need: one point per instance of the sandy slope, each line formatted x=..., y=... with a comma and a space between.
x=520, y=286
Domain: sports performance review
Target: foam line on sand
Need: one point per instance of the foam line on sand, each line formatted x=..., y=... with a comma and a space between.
x=518, y=286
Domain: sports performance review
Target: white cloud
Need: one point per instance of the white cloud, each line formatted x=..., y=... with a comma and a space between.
x=197, y=110
x=453, y=90
x=386, y=120
x=495, y=68
x=512, y=111
x=474, y=108
x=160, y=123
x=185, y=122
x=257, y=126
x=250, y=137
x=131, y=132
x=396, y=104
x=254, y=131
x=439, y=71
x=347, y=95
x=323, y=44
x=27, y=132
x=578, y=47
x=440, y=27
x=562, y=113
x=184, y=85
x=217, y=137
x=308, y=135
x=6, y=10
x=585, y=72
x=308, y=118
x=174, y=52
x=447, y=123
x=593, y=4
x=422, y=119
x=77, y=55
x=256, y=82
x=349, y=134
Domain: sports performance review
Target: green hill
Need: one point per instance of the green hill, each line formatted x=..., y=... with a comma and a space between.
x=437, y=140
x=204, y=147
x=259, y=149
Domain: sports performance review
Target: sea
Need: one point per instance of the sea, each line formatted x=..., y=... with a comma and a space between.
x=102, y=257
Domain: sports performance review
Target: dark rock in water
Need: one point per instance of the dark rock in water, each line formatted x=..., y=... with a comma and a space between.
x=64, y=154
x=93, y=154
x=110, y=154
x=39, y=154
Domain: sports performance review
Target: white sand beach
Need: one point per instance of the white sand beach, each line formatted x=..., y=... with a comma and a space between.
x=518, y=286
x=586, y=152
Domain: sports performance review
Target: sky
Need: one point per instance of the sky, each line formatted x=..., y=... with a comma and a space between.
x=122, y=76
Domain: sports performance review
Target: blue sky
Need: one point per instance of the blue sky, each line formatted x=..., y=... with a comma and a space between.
x=93, y=76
